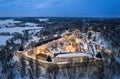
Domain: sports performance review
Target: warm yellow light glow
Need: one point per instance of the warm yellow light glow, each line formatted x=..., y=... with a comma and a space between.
x=98, y=50
x=70, y=48
x=88, y=40
x=107, y=50
x=78, y=41
x=72, y=39
x=38, y=51
x=43, y=51
x=67, y=37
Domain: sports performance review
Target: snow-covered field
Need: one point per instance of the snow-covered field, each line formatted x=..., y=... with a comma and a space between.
x=43, y=19
x=17, y=29
x=8, y=21
x=112, y=70
x=30, y=24
x=3, y=39
x=34, y=38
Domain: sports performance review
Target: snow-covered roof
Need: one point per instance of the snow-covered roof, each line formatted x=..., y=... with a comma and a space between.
x=74, y=55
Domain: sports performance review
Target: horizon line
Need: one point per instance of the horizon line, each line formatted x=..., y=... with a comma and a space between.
x=59, y=17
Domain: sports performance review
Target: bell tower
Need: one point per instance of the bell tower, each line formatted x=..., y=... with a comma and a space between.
x=77, y=33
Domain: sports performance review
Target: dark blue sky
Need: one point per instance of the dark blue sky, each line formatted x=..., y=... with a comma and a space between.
x=60, y=8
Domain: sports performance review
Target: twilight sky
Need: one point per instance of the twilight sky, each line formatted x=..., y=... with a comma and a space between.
x=60, y=8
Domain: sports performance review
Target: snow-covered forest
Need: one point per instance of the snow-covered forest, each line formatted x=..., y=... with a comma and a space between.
x=25, y=32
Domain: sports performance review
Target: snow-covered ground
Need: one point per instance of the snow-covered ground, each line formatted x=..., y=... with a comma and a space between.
x=103, y=43
x=43, y=19
x=117, y=59
x=30, y=24
x=11, y=30
x=3, y=39
x=34, y=38
x=62, y=74
x=8, y=21
x=17, y=29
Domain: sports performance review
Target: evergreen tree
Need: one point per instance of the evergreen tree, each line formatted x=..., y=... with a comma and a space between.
x=23, y=67
x=52, y=70
x=31, y=64
x=30, y=74
x=11, y=75
x=37, y=69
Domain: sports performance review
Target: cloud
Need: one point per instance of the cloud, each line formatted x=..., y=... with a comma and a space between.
x=17, y=3
x=49, y=3
x=30, y=3
x=43, y=4
x=6, y=3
